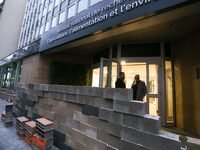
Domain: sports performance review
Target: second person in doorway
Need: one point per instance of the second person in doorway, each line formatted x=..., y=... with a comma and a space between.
x=139, y=88
x=120, y=81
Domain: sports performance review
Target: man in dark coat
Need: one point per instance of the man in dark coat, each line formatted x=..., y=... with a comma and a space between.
x=139, y=88
x=120, y=81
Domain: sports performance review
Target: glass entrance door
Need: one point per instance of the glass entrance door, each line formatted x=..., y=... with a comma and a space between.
x=105, y=74
x=149, y=73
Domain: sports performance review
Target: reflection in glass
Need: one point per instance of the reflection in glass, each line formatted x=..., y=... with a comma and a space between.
x=71, y=11
x=62, y=17
x=153, y=79
x=169, y=91
x=114, y=74
x=54, y=22
x=82, y=5
x=131, y=69
x=95, y=77
x=153, y=106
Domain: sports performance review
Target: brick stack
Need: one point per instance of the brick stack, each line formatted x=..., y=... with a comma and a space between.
x=7, y=115
x=20, y=124
x=44, y=134
x=29, y=131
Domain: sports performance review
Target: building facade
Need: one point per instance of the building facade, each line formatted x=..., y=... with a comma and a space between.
x=11, y=15
x=88, y=42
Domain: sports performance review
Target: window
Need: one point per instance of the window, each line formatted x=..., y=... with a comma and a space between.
x=71, y=2
x=94, y=2
x=62, y=6
x=47, y=26
x=45, y=11
x=42, y=21
x=71, y=11
x=82, y=5
x=50, y=7
x=48, y=16
x=57, y=2
x=55, y=11
x=54, y=22
x=41, y=29
x=62, y=17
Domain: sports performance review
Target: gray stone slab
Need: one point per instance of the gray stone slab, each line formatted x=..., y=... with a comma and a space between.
x=39, y=87
x=193, y=143
x=109, y=115
x=63, y=89
x=147, y=123
x=96, y=122
x=118, y=94
x=113, y=141
x=136, y=108
x=128, y=145
x=114, y=129
x=129, y=134
x=90, y=91
x=158, y=142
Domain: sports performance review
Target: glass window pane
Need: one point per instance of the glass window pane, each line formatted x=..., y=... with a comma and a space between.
x=62, y=17
x=82, y=5
x=71, y=11
x=47, y=26
x=153, y=79
x=50, y=7
x=169, y=91
x=153, y=106
x=94, y=1
x=71, y=2
x=54, y=22
x=114, y=74
x=95, y=77
x=57, y=2
x=62, y=6
x=45, y=11
x=55, y=11
x=41, y=30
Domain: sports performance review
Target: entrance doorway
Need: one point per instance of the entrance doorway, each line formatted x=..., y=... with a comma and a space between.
x=149, y=73
x=154, y=69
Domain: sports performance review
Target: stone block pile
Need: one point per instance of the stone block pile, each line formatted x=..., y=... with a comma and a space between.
x=29, y=131
x=7, y=115
x=43, y=138
x=20, y=125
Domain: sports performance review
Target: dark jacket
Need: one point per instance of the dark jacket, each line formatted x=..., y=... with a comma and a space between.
x=139, y=90
x=120, y=83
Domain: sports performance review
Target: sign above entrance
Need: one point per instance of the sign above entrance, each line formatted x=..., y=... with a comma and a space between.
x=101, y=16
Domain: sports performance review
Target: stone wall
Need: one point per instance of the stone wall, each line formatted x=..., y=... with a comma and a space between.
x=87, y=118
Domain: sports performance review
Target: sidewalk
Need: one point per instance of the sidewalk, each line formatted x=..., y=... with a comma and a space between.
x=9, y=140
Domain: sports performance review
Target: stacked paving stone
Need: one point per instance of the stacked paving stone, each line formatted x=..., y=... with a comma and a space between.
x=44, y=134
x=7, y=115
x=29, y=131
x=96, y=118
x=20, y=125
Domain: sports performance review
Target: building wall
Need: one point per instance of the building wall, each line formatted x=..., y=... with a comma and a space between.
x=10, y=25
x=39, y=63
x=187, y=59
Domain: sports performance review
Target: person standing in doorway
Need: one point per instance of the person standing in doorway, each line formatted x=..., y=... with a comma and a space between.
x=139, y=88
x=120, y=81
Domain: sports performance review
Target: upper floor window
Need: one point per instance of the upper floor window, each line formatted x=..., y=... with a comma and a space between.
x=94, y=2
x=71, y=2
x=82, y=5
x=71, y=11
x=57, y=2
